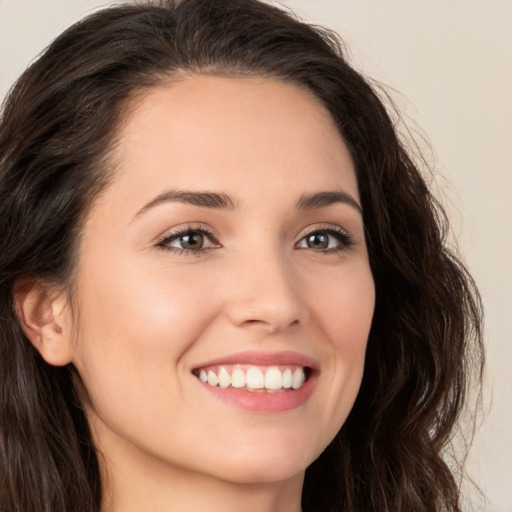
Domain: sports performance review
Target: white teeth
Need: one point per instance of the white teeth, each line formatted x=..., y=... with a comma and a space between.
x=298, y=378
x=213, y=380
x=254, y=378
x=273, y=379
x=287, y=379
x=224, y=378
x=238, y=378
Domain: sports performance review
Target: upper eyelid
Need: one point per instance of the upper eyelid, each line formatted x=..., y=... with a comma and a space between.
x=323, y=227
x=187, y=228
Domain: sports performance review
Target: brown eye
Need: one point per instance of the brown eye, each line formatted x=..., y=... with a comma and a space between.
x=193, y=241
x=189, y=240
x=328, y=240
x=318, y=241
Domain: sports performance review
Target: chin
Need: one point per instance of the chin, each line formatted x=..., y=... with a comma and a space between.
x=268, y=464
x=266, y=473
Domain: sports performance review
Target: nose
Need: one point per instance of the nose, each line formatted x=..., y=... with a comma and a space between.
x=265, y=294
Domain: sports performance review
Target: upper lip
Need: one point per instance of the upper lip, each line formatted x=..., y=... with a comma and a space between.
x=258, y=358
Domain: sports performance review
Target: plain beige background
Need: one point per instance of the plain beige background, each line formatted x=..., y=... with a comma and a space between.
x=451, y=61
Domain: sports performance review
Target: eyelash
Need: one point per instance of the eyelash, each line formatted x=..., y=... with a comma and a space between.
x=171, y=237
x=343, y=238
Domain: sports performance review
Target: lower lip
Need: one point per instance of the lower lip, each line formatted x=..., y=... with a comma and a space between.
x=261, y=401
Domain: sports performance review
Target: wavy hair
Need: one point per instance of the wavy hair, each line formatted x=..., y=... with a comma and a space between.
x=57, y=128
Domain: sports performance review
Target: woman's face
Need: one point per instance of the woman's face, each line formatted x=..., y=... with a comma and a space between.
x=229, y=247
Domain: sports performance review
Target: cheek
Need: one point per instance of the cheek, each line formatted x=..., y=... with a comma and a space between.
x=343, y=304
x=344, y=309
x=135, y=322
x=131, y=302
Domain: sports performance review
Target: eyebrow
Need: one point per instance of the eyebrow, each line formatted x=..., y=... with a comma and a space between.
x=204, y=199
x=224, y=201
x=327, y=198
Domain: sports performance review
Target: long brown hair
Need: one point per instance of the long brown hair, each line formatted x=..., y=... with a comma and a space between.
x=57, y=127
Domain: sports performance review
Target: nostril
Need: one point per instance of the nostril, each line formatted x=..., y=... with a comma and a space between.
x=267, y=308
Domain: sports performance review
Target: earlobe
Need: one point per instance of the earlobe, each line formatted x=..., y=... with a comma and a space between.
x=42, y=314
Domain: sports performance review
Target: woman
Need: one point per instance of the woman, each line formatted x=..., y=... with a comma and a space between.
x=224, y=281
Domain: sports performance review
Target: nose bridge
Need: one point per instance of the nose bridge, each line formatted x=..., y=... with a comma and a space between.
x=266, y=290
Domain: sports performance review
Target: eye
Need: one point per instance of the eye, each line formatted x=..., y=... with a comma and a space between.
x=331, y=239
x=189, y=241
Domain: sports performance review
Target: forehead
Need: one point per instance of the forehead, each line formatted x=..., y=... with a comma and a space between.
x=212, y=132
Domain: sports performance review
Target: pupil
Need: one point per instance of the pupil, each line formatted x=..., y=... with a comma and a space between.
x=318, y=241
x=192, y=241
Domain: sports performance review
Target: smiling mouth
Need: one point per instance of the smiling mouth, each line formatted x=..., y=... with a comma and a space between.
x=252, y=378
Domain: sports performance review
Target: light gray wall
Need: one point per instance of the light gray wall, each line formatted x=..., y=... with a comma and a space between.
x=452, y=63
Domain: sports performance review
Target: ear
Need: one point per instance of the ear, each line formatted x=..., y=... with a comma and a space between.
x=43, y=313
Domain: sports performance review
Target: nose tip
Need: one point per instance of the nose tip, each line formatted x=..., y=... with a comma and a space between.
x=267, y=316
x=268, y=299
